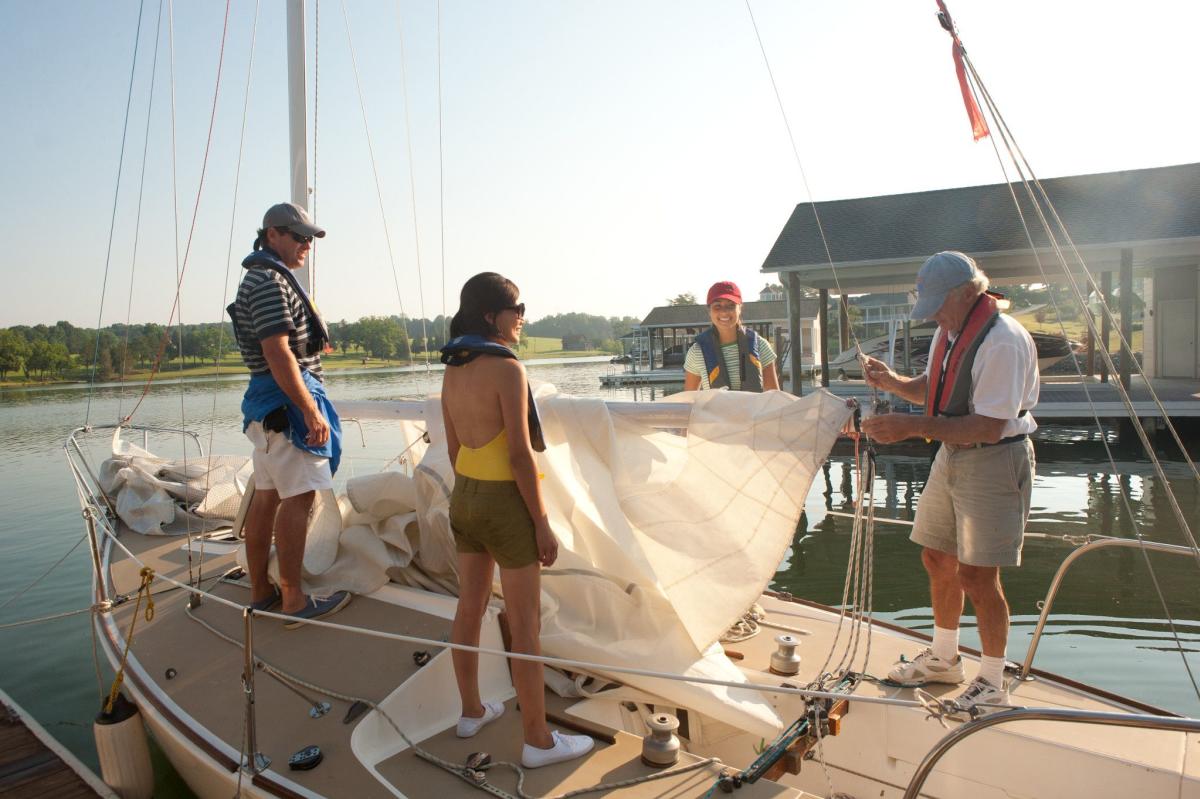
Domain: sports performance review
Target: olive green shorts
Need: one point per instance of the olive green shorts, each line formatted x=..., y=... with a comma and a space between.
x=489, y=516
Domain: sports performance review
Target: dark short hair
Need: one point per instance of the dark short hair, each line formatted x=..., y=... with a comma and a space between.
x=486, y=293
x=260, y=240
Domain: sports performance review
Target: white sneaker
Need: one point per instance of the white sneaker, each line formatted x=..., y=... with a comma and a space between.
x=468, y=726
x=982, y=693
x=926, y=668
x=566, y=747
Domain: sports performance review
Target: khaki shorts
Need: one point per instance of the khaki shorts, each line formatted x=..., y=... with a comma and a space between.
x=976, y=503
x=490, y=516
x=280, y=465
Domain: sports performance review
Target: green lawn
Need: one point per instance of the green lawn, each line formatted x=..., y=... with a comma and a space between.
x=231, y=363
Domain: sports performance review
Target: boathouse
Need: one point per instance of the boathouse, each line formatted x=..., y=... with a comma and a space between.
x=668, y=330
x=1138, y=226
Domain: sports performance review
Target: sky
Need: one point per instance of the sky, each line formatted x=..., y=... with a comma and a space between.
x=605, y=155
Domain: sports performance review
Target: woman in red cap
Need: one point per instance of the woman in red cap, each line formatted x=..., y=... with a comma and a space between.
x=728, y=355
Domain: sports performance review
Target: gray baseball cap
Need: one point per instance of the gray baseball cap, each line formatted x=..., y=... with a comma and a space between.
x=939, y=275
x=292, y=217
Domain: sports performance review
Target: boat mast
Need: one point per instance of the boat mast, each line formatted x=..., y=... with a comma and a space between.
x=297, y=117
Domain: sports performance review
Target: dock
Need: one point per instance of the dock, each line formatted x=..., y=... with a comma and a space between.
x=33, y=765
x=1061, y=398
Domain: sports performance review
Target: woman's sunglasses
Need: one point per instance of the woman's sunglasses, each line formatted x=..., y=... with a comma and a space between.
x=518, y=309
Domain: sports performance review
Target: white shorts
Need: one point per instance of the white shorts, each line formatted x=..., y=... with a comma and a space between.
x=281, y=466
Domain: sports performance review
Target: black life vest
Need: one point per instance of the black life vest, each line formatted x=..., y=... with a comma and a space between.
x=461, y=350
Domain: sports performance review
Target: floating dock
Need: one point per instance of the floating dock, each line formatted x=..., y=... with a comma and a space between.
x=33, y=764
x=1061, y=398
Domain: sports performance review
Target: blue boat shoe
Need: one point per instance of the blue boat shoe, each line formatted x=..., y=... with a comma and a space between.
x=318, y=607
x=268, y=602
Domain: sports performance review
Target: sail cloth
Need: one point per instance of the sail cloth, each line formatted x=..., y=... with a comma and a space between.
x=665, y=540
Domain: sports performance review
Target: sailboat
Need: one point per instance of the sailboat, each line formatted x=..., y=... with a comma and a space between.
x=661, y=641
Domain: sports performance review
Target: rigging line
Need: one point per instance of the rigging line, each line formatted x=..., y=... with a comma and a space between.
x=112, y=224
x=1125, y=498
x=374, y=167
x=441, y=178
x=43, y=575
x=812, y=203
x=412, y=182
x=137, y=225
x=1100, y=294
x=1122, y=392
x=237, y=175
x=316, y=127
x=181, y=269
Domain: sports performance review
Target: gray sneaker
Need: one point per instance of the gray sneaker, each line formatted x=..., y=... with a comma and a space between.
x=980, y=694
x=926, y=668
x=316, y=608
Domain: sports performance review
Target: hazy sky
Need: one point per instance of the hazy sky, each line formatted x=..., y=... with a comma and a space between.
x=605, y=155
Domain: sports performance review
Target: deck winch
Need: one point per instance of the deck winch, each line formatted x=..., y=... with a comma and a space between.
x=661, y=747
x=785, y=661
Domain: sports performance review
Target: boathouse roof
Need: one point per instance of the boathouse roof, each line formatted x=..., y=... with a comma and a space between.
x=1154, y=211
x=752, y=312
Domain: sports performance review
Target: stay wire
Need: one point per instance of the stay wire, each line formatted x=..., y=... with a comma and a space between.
x=316, y=127
x=181, y=268
x=374, y=166
x=412, y=182
x=112, y=224
x=441, y=178
x=1010, y=145
x=800, y=165
x=137, y=225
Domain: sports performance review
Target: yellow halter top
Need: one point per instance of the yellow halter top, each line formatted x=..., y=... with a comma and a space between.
x=489, y=462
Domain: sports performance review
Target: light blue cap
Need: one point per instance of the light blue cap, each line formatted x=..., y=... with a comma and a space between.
x=939, y=275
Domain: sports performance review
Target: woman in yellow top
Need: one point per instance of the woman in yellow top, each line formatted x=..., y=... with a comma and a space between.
x=496, y=509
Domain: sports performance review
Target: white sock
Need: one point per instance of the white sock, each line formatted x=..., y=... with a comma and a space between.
x=945, y=643
x=992, y=669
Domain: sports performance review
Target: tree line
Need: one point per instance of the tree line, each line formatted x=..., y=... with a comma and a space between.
x=51, y=351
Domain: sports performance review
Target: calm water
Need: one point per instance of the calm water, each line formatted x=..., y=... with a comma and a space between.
x=1109, y=627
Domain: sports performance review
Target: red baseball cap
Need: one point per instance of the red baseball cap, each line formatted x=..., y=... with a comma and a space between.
x=724, y=290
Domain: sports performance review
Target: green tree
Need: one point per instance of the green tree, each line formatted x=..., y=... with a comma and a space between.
x=686, y=298
x=13, y=352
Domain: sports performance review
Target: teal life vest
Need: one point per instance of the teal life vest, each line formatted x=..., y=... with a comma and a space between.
x=462, y=350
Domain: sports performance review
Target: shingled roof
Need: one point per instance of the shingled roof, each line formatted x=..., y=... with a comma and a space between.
x=697, y=315
x=1112, y=208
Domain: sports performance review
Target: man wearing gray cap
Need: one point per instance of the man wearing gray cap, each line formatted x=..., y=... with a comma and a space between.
x=285, y=411
x=977, y=389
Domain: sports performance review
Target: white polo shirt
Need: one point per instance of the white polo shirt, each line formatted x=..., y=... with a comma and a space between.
x=1004, y=377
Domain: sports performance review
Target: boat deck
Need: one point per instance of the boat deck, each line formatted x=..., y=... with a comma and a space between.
x=204, y=692
x=34, y=766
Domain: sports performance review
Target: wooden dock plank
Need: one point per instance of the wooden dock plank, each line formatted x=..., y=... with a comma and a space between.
x=31, y=769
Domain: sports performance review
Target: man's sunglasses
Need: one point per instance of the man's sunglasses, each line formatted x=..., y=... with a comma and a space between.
x=299, y=238
x=518, y=309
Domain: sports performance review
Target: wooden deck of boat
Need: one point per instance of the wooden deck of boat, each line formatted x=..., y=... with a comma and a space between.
x=30, y=768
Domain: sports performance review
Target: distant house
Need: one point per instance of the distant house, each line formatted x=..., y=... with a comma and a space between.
x=1141, y=226
x=771, y=291
x=576, y=342
x=668, y=330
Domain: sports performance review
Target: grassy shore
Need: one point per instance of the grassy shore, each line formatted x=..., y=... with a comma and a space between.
x=231, y=364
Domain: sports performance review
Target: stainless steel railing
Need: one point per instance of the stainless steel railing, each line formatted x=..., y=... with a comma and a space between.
x=1092, y=545
x=1041, y=714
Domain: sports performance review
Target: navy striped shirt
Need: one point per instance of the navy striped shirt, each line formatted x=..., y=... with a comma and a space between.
x=267, y=306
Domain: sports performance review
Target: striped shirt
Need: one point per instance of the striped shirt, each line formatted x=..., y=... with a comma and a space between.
x=268, y=306
x=694, y=362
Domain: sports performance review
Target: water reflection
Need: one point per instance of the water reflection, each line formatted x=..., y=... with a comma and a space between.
x=1107, y=608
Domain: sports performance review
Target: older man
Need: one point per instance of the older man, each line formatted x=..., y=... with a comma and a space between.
x=978, y=388
x=286, y=414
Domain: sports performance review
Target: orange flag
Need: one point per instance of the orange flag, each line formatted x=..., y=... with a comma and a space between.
x=979, y=127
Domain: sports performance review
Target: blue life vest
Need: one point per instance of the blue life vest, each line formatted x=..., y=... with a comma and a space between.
x=461, y=350
x=266, y=258
x=749, y=343
x=264, y=395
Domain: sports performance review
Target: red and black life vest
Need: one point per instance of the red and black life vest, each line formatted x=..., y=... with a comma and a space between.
x=948, y=390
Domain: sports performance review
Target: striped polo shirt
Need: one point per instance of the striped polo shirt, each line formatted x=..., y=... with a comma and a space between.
x=267, y=306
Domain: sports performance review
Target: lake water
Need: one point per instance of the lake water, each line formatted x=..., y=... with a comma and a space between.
x=1108, y=628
